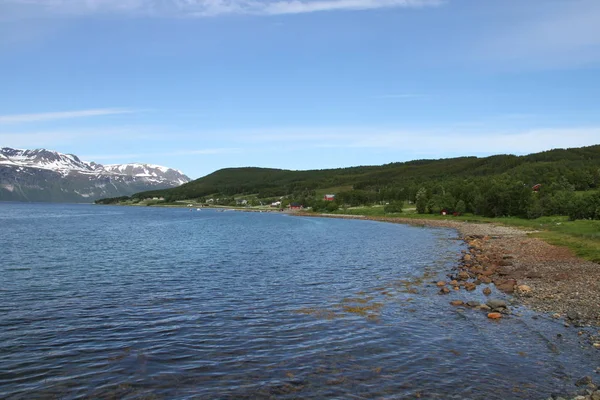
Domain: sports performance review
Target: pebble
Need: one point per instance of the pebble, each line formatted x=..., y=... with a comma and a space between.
x=441, y=283
x=596, y=345
x=487, y=291
x=457, y=302
x=494, y=315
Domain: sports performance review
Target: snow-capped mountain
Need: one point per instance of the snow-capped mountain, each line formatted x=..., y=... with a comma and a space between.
x=44, y=175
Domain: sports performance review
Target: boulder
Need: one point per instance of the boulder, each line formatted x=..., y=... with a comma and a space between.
x=463, y=276
x=573, y=315
x=586, y=380
x=524, y=290
x=506, y=286
x=494, y=303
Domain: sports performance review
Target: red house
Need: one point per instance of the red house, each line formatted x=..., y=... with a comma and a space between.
x=295, y=206
x=329, y=197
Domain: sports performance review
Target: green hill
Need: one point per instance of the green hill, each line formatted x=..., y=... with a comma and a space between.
x=493, y=186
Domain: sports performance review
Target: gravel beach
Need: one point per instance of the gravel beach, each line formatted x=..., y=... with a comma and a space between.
x=546, y=278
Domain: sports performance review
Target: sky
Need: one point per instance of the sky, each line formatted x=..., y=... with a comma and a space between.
x=201, y=85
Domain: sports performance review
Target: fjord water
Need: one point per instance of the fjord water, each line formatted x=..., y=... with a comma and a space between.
x=124, y=302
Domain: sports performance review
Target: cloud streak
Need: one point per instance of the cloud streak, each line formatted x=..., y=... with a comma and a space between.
x=178, y=153
x=51, y=116
x=205, y=8
x=450, y=143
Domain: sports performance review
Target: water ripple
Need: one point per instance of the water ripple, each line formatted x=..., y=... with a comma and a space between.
x=132, y=303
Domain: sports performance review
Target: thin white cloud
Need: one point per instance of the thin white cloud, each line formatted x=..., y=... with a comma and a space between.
x=435, y=141
x=130, y=156
x=548, y=34
x=203, y=8
x=50, y=116
x=400, y=96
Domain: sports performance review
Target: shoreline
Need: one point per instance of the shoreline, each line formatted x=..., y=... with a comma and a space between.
x=546, y=278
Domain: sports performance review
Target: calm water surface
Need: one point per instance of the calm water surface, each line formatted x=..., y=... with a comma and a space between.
x=139, y=303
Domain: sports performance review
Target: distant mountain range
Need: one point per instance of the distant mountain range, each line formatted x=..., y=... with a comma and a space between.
x=50, y=176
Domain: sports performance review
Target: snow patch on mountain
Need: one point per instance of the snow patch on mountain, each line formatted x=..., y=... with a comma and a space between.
x=68, y=163
x=45, y=175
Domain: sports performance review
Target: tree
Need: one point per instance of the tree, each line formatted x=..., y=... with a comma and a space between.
x=460, y=207
x=421, y=200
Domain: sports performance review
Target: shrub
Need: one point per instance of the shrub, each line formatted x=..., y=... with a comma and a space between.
x=393, y=207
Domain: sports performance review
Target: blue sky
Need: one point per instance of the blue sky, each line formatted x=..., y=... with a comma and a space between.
x=201, y=85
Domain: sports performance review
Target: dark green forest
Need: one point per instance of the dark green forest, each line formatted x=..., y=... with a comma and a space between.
x=568, y=183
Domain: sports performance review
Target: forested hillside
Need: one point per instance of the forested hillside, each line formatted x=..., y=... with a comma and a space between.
x=499, y=185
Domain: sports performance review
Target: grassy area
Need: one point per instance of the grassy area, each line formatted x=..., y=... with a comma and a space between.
x=581, y=236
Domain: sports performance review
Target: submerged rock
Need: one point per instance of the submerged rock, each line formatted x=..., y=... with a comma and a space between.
x=487, y=291
x=586, y=380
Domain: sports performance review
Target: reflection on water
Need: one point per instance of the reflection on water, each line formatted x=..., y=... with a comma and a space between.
x=163, y=303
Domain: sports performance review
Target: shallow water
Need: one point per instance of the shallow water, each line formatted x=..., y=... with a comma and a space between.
x=115, y=302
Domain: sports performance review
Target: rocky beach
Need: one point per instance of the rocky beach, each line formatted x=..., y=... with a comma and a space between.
x=544, y=278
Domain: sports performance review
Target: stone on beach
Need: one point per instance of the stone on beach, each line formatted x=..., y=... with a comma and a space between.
x=506, y=286
x=457, y=303
x=524, y=290
x=441, y=283
x=494, y=303
x=463, y=276
x=494, y=315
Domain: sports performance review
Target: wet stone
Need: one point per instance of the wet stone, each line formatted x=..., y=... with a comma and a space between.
x=494, y=303
x=586, y=380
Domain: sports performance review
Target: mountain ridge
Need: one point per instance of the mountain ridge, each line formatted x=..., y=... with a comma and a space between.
x=47, y=175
